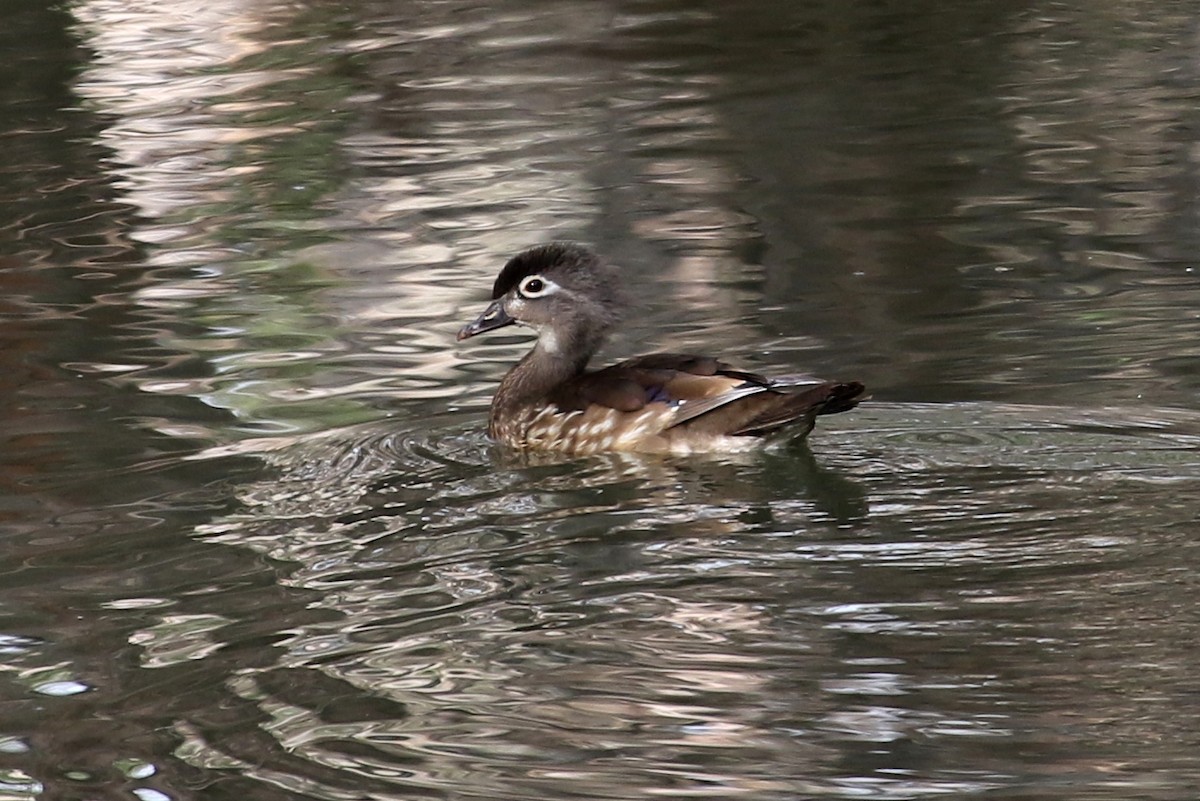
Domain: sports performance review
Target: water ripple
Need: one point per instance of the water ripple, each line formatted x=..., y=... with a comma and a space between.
x=534, y=622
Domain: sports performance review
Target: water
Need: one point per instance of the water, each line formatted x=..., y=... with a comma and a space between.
x=255, y=544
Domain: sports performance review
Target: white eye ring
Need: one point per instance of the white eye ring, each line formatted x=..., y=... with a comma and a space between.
x=535, y=286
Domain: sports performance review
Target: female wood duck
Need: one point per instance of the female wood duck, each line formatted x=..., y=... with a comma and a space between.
x=663, y=402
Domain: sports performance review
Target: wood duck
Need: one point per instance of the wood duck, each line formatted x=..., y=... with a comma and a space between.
x=662, y=402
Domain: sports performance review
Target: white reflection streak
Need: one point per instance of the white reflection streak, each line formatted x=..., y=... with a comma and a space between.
x=153, y=76
x=494, y=162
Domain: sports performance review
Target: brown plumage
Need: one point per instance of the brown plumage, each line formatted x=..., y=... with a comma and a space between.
x=663, y=402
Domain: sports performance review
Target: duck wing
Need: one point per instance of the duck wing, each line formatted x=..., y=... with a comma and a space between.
x=706, y=395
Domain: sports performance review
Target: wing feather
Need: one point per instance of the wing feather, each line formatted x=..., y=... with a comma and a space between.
x=699, y=394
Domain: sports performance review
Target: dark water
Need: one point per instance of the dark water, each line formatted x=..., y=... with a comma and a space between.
x=254, y=544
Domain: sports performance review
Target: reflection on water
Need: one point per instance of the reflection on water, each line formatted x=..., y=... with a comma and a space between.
x=765, y=626
x=256, y=545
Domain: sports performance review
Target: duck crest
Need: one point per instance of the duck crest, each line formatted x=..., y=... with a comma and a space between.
x=557, y=256
x=663, y=402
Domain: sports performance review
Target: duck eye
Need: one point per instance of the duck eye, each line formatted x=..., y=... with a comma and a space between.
x=533, y=286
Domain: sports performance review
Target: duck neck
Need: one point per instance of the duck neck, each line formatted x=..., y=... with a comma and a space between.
x=557, y=357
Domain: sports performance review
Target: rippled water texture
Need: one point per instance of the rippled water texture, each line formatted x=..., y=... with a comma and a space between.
x=255, y=544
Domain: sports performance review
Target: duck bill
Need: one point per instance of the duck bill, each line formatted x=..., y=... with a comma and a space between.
x=493, y=317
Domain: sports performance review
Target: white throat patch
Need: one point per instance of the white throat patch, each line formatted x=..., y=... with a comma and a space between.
x=548, y=341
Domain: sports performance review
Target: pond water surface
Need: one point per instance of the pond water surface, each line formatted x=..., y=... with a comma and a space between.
x=255, y=544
